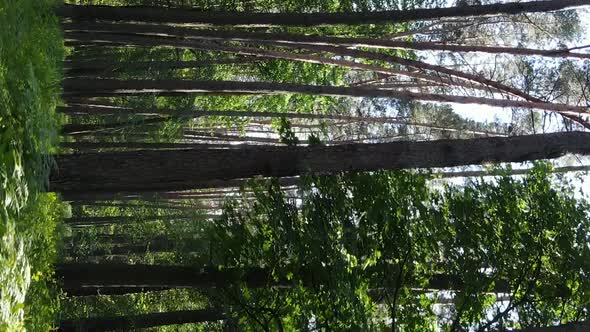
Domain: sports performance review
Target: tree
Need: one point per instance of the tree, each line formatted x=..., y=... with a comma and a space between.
x=147, y=14
x=166, y=170
x=125, y=323
x=301, y=40
x=112, y=88
x=569, y=327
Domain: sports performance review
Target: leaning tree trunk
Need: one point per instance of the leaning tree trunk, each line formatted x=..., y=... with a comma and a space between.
x=114, y=88
x=168, y=15
x=126, y=323
x=150, y=41
x=301, y=39
x=175, y=170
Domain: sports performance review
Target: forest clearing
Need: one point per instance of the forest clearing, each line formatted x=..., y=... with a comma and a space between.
x=264, y=165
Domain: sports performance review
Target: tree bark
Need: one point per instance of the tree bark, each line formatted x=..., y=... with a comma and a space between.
x=168, y=15
x=583, y=326
x=112, y=88
x=102, y=38
x=99, y=110
x=126, y=323
x=176, y=170
x=82, y=129
x=301, y=39
x=85, y=68
x=80, y=275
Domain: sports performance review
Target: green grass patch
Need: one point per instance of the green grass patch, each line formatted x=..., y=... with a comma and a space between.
x=31, y=52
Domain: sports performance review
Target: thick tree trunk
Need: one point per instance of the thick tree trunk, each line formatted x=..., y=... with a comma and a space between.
x=167, y=15
x=175, y=170
x=126, y=323
x=113, y=88
x=300, y=39
x=569, y=327
x=81, y=275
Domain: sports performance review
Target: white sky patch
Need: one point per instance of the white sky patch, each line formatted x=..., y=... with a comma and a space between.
x=483, y=113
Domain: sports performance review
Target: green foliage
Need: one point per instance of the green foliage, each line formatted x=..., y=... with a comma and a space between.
x=351, y=235
x=30, y=55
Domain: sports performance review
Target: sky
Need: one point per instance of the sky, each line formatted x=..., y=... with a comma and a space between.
x=483, y=113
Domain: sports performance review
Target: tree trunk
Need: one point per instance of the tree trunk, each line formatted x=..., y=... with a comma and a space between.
x=168, y=15
x=86, y=68
x=81, y=275
x=102, y=38
x=81, y=129
x=112, y=88
x=583, y=326
x=110, y=220
x=523, y=171
x=81, y=197
x=100, y=110
x=94, y=291
x=90, y=146
x=301, y=39
x=482, y=82
x=176, y=170
x=127, y=323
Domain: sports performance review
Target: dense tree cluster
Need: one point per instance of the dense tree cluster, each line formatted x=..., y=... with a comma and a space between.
x=252, y=166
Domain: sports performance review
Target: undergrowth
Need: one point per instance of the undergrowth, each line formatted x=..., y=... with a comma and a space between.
x=31, y=52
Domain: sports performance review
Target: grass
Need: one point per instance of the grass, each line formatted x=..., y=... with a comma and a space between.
x=31, y=51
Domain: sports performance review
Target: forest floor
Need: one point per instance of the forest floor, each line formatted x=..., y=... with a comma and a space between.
x=31, y=53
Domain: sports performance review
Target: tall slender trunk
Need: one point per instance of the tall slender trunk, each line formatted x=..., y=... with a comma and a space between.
x=481, y=82
x=175, y=170
x=92, y=291
x=152, y=245
x=196, y=113
x=81, y=197
x=102, y=38
x=112, y=88
x=127, y=323
x=94, y=146
x=301, y=39
x=169, y=15
x=109, y=220
x=82, y=68
x=523, y=171
x=79, y=129
x=343, y=51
